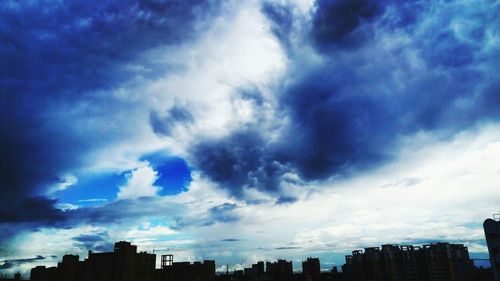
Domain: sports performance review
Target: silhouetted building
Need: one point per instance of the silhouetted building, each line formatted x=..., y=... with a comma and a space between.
x=409, y=263
x=335, y=275
x=98, y=267
x=238, y=274
x=257, y=269
x=483, y=274
x=311, y=269
x=434, y=262
x=145, y=266
x=250, y=272
x=280, y=270
x=492, y=233
x=444, y=261
x=259, y=266
x=69, y=267
x=185, y=271
x=124, y=264
x=363, y=266
x=42, y=273
x=372, y=264
x=399, y=262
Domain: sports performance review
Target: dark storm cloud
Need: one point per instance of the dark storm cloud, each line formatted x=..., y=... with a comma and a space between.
x=340, y=22
x=332, y=131
x=50, y=46
x=34, y=209
x=241, y=160
x=42, y=213
x=349, y=113
x=329, y=134
x=53, y=56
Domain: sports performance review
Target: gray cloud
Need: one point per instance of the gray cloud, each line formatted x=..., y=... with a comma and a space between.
x=163, y=125
x=16, y=262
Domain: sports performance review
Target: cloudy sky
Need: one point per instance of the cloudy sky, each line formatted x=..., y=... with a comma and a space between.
x=246, y=130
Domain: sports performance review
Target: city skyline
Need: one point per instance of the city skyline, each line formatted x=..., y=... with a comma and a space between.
x=390, y=262
x=240, y=131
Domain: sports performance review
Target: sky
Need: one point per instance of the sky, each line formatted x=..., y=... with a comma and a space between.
x=246, y=130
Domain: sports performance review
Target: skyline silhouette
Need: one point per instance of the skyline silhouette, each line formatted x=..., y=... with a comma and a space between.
x=390, y=262
x=438, y=261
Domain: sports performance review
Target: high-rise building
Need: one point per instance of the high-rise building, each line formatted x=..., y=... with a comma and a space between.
x=260, y=267
x=433, y=262
x=280, y=270
x=409, y=257
x=185, y=271
x=492, y=233
x=123, y=264
x=311, y=269
x=69, y=267
x=257, y=269
x=445, y=261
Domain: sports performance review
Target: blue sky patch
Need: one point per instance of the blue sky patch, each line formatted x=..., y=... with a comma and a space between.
x=92, y=189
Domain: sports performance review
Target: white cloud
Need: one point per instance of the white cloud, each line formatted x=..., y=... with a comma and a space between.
x=140, y=183
x=66, y=206
x=148, y=232
x=93, y=200
x=63, y=182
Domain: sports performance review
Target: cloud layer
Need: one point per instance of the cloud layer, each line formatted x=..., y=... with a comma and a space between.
x=166, y=121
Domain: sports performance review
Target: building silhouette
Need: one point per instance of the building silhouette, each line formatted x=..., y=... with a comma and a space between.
x=311, y=269
x=254, y=271
x=123, y=264
x=492, y=234
x=185, y=271
x=279, y=270
x=433, y=262
x=400, y=262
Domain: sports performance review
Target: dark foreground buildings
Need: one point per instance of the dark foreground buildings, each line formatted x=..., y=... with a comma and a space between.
x=186, y=271
x=492, y=233
x=434, y=262
x=123, y=264
x=311, y=269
